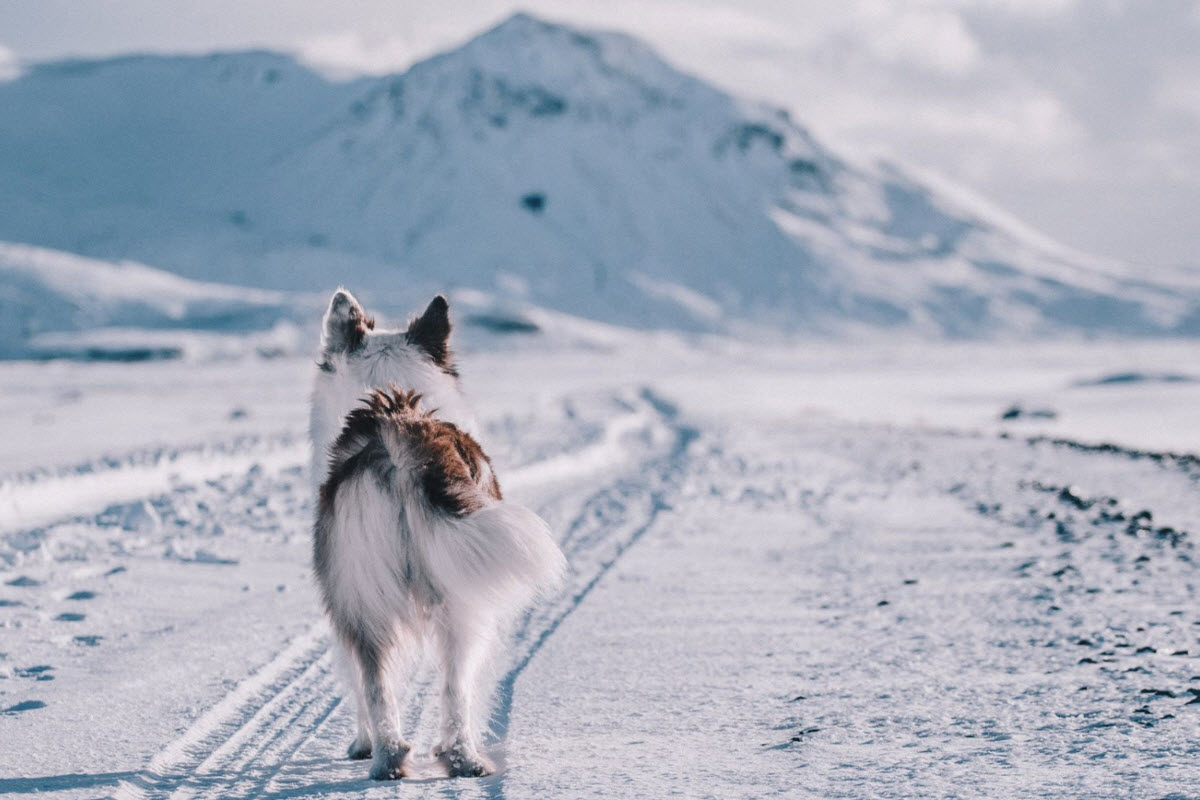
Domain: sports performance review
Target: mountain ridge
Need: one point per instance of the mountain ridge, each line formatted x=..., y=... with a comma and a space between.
x=539, y=163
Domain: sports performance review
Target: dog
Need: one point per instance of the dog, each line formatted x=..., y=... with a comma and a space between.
x=413, y=540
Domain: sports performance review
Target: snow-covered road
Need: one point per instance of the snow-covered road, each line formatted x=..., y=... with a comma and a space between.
x=760, y=603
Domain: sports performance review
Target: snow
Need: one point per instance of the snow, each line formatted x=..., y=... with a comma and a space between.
x=939, y=545
x=665, y=202
x=823, y=572
x=48, y=296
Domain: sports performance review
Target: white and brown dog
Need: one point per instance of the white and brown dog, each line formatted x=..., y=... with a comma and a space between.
x=412, y=536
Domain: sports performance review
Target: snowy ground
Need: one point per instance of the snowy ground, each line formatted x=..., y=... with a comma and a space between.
x=816, y=573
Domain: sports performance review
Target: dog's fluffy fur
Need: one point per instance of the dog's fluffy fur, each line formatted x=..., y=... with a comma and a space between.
x=412, y=538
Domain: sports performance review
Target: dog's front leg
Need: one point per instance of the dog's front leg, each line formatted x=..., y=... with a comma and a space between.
x=463, y=651
x=390, y=749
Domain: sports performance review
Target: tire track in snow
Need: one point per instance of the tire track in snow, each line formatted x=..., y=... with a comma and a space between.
x=238, y=747
x=231, y=719
x=38, y=500
x=545, y=622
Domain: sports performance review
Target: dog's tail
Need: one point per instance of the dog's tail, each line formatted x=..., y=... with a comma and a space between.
x=499, y=557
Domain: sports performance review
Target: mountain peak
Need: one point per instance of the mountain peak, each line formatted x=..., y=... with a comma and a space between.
x=525, y=29
x=523, y=23
x=524, y=50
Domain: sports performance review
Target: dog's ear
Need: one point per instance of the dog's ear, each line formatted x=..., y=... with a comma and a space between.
x=431, y=332
x=345, y=325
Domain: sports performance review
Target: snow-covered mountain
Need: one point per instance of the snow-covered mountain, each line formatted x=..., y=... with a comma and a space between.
x=573, y=170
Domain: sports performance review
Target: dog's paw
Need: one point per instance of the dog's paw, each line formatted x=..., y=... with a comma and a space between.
x=360, y=748
x=461, y=762
x=388, y=764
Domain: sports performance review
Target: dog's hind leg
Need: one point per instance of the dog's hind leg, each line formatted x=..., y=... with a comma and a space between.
x=389, y=747
x=360, y=748
x=464, y=643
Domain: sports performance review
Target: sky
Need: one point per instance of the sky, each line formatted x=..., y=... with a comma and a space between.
x=1080, y=117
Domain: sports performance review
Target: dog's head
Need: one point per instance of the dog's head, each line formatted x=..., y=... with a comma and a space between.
x=357, y=356
x=348, y=334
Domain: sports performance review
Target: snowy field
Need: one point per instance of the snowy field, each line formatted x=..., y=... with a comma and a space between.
x=821, y=571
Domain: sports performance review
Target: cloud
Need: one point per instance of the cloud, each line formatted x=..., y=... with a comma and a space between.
x=1180, y=92
x=10, y=67
x=1035, y=122
x=930, y=39
x=1029, y=9
x=346, y=54
x=350, y=52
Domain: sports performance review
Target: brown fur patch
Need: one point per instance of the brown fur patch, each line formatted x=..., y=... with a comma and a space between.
x=356, y=332
x=346, y=324
x=450, y=464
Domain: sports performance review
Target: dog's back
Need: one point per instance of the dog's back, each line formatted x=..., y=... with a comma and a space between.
x=411, y=515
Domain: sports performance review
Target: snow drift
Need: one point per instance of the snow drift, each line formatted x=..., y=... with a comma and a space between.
x=45, y=294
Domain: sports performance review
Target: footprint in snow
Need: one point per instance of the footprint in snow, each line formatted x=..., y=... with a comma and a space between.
x=41, y=672
x=87, y=641
x=24, y=580
x=25, y=705
x=82, y=595
x=799, y=737
x=69, y=616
